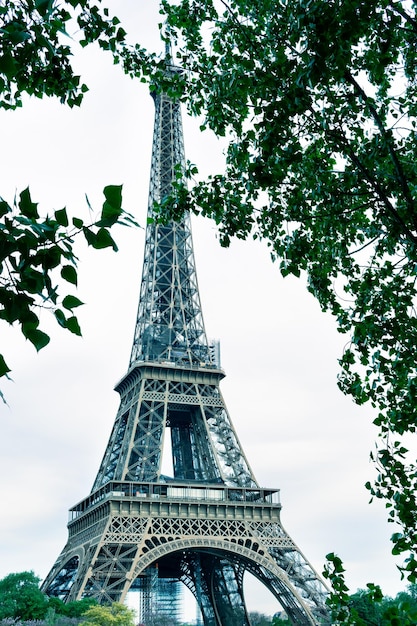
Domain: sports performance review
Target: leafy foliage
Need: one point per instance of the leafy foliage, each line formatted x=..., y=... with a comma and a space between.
x=21, y=598
x=36, y=252
x=367, y=606
x=34, y=60
x=165, y=620
x=70, y=609
x=114, y=615
x=318, y=102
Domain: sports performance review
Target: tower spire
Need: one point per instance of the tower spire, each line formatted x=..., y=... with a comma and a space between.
x=206, y=521
x=169, y=324
x=168, y=43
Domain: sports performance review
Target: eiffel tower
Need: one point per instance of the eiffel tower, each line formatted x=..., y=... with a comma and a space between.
x=210, y=522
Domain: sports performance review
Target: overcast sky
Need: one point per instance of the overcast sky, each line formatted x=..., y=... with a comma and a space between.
x=300, y=434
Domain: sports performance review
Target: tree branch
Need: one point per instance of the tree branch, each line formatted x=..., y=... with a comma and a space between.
x=402, y=179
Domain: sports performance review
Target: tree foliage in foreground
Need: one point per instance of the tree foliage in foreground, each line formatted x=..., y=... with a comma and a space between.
x=318, y=101
x=35, y=47
x=37, y=251
x=21, y=599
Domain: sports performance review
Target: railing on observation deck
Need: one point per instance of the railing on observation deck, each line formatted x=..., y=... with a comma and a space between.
x=178, y=492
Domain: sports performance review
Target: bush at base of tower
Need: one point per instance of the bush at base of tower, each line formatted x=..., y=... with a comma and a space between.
x=21, y=601
x=115, y=614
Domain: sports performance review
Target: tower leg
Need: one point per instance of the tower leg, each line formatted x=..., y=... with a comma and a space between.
x=217, y=585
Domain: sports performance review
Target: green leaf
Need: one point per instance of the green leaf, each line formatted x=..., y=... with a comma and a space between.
x=101, y=239
x=69, y=273
x=105, y=240
x=44, y=6
x=60, y=317
x=113, y=195
x=73, y=326
x=4, y=369
x=88, y=202
x=26, y=206
x=8, y=65
x=71, y=302
x=62, y=217
x=37, y=337
x=4, y=208
x=90, y=236
x=15, y=34
x=112, y=207
x=78, y=223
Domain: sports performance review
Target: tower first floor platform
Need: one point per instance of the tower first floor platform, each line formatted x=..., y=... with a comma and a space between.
x=206, y=536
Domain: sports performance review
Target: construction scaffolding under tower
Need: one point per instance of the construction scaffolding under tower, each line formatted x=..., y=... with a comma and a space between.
x=158, y=598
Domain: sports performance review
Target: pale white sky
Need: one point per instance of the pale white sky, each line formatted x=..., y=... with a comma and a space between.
x=300, y=434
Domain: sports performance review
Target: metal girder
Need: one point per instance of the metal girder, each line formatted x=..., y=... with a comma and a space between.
x=220, y=582
x=169, y=324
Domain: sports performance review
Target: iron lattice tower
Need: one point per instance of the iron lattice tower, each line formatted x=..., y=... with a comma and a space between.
x=210, y=522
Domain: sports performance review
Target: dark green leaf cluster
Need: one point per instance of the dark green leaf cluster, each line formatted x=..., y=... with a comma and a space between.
x=75, y=609
x=318, y=101
x=35, y=52
x=36, y=252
